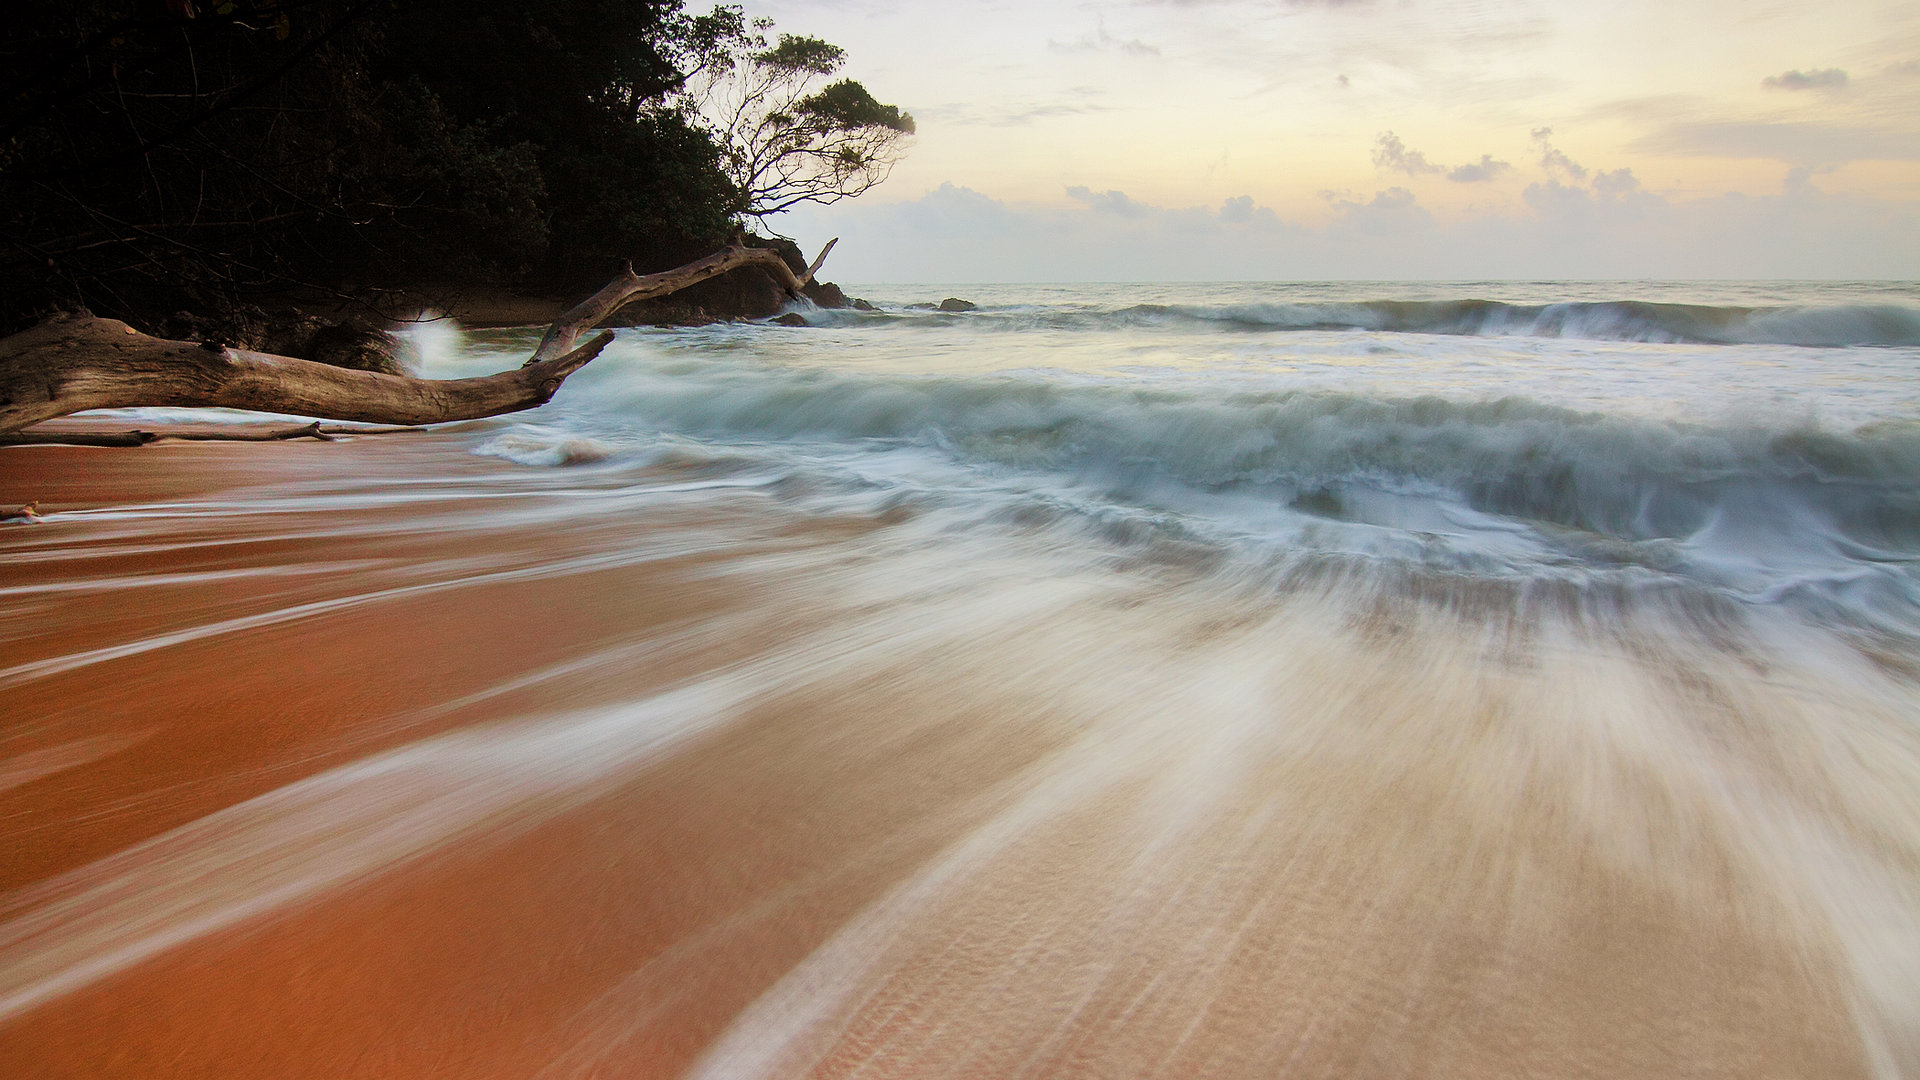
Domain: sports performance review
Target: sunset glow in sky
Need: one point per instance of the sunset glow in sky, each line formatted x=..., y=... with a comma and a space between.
x=1382, y=138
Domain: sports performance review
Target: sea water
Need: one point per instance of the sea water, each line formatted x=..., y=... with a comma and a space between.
x=1757, y=444
x=1238, y=679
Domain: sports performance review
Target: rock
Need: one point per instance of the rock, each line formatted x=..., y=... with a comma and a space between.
x=858, y=304
x=792, y=318
x=748, y=292
x=825, y=294
x=288, y=333
x=349, y=346
x=745, y=293
x=954, y=303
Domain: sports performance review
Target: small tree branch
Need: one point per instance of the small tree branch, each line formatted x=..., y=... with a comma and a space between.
x=814, y=267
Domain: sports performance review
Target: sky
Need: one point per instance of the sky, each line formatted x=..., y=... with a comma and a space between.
x=1380, y=139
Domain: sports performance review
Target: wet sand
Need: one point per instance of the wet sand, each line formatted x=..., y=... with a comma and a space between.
x=375, y=758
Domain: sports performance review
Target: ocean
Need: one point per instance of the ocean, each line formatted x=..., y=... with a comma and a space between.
x=1752, y=447
x=1344, y=679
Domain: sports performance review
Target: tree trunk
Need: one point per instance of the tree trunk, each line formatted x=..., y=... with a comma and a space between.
x=72, y=363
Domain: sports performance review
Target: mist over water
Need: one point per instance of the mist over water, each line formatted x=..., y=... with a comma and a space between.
x=1325, y=680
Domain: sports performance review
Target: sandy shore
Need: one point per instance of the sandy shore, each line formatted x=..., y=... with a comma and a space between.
x=470, y=962
x=375, y=758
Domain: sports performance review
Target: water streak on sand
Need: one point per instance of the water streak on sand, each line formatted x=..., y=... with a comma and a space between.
x=1240, y=822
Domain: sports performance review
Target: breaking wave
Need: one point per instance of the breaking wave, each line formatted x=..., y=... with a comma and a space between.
x=528, y=445
x=1503, y=486
x=1620, y=320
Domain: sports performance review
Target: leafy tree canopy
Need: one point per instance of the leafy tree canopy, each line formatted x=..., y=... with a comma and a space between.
x=783, y=138
x=797, y=55
x=846, y=106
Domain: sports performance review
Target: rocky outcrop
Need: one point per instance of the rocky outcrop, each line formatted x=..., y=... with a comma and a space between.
x=827, y=295
x=954, y=303
x=746, y=293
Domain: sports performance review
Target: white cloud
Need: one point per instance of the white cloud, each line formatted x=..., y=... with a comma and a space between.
x=1391, y=155
x=1795, y=142
x=1475, y=172
x=1107, y=202
x=1608, y=226
x=1822, y=79
x=1553, y=160
x=1007, y=114
x=1101, y=41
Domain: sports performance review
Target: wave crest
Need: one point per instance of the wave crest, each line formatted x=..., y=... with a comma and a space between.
x=1888, y=325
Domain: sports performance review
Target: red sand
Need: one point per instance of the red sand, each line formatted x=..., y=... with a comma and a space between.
x=621, y=935
x=478, y=961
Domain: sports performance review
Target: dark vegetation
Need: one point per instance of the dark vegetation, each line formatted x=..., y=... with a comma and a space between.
x=215, y=155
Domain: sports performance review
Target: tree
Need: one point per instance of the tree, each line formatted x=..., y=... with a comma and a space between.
x=784, y=137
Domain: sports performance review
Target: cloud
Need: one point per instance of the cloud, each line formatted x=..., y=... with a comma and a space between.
x=1610, y=228
x=1107, y=202
x=1795, y=142
x=1873, y=123
x=1012, y=114
x=1552, y=159
x=1101, y=41
x=1821, y=79
x=1224, y=3
x=1474, y=172
x=1618, y=184
x=1393, y=212
x=1392, y=155
x=1799, y=179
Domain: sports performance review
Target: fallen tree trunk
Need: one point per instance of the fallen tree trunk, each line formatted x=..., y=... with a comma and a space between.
x=72, y=363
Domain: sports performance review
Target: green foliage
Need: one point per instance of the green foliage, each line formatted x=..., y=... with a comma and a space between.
x=782, y=141
x=471, y=199
x=846, y=106
x=802, y=55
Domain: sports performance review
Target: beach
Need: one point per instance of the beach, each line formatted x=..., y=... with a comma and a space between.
x=762, y=739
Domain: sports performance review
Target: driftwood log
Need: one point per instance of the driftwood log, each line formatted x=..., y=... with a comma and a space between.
x=211, y=433
x=73, y=363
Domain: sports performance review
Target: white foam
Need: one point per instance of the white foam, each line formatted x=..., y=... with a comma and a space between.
x=531, y=447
